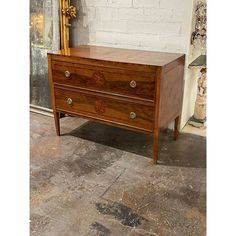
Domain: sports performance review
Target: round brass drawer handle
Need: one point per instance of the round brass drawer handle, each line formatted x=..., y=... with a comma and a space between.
x=133, y=84
x=69, y=101
x=132, y=115
x=67, y=74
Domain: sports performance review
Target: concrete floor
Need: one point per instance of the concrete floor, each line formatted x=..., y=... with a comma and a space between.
x=194, y=130
x=100, y=180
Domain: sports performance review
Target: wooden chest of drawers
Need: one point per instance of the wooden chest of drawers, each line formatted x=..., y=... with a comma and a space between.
x=133, y=89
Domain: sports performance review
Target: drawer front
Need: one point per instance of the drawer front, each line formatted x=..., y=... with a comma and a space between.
x=105, y=108
x=118, y=81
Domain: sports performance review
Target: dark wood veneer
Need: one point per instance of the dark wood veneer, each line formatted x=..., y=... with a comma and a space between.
x=105, y=107
x=105, y=79
x=133, y=89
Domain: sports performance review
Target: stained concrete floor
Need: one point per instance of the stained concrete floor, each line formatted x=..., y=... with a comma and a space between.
x=99, y=180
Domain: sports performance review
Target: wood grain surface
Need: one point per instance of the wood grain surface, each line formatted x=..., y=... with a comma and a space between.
x=120, y=55
x=133, y=89
x=109, y=108
x=105, y=79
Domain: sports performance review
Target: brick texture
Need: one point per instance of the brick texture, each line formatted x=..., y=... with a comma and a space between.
x=159, y=25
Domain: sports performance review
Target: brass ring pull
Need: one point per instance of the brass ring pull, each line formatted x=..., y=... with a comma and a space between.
x=133, y=84
x=132, y=115
x=69, y=101
x=67, y=74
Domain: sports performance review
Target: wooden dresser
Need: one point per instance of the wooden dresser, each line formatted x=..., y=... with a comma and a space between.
x=133, y=89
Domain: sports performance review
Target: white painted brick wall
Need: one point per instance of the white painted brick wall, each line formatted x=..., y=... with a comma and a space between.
x=159, y=25
x=146, y=3
x=155, y=25
x=120, y=3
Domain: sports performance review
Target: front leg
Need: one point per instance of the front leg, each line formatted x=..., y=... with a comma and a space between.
x=57, y=122
x=176, y=129
x=155, y=145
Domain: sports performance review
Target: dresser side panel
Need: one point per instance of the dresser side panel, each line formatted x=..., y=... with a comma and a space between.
x=171, y=92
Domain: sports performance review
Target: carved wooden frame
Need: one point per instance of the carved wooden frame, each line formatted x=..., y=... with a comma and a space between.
x=67, y=12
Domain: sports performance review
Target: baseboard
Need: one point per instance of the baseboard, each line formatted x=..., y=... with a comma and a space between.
x=41, y=110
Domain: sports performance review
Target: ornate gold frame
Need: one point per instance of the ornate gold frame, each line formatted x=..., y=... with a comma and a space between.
x=67, y=12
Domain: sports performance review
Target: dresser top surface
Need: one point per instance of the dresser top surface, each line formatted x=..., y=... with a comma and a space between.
x=120, y=55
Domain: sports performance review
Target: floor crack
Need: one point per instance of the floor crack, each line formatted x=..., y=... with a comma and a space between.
x=117, y=177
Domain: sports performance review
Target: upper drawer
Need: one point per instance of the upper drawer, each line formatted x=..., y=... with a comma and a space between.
x=125, y=82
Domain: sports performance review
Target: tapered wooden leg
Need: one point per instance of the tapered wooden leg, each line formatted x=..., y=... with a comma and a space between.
x=57, y=122
x=176, y=130
x=155, y=146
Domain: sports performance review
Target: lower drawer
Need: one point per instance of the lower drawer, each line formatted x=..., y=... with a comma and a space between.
x=105, y=108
